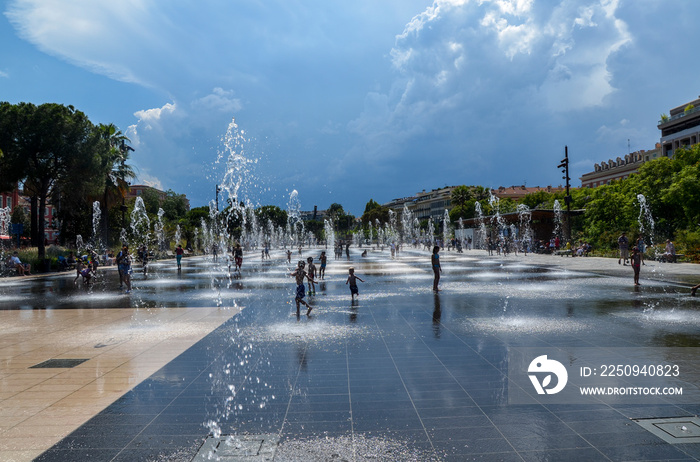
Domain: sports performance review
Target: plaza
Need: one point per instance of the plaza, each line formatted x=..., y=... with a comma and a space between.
x=205, y=365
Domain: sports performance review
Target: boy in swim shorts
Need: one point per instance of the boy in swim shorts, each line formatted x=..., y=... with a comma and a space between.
x=352, y=280
x=300, y=274
x=324, y=259
x=312, y=276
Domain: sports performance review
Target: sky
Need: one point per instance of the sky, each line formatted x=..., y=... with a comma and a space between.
x=350, y=101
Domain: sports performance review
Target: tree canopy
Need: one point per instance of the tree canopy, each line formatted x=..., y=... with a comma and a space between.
x=52, y=149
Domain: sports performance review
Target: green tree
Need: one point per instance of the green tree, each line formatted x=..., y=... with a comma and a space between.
x=118, y=172
x=538, y=198
x=336, y=210
x=45, y=145
x=151, y=201
x=380, y=213
x=371, y=204
x=465, y=211
x=461, y=195
x=174, y=205
x=272, y=213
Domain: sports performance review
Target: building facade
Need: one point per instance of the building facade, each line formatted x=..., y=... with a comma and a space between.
x=618, y=169
x=138, y=189
x=9, y=199
x=51, y=230
x=425, y=205
x=517, y=193
x=681, y=128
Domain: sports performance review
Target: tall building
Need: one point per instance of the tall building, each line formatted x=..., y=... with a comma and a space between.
x=681, y=128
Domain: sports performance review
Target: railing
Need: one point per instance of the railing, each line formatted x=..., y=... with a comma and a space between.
x=679, y=116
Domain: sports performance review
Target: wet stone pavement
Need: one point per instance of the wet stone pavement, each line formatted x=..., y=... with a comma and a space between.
x=399, y=374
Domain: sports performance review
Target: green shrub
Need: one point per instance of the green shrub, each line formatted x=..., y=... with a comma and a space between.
x=688, y=243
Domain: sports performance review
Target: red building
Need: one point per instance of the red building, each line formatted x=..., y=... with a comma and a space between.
x=9, y=199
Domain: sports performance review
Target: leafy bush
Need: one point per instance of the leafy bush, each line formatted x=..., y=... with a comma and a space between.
x=688, y=243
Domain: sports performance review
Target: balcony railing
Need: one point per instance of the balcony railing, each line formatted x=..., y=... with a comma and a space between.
x=679, y=116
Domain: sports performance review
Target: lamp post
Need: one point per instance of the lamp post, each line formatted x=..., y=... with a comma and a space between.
x=564, y=165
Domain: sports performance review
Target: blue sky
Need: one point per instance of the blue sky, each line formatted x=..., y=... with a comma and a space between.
x=351, y=101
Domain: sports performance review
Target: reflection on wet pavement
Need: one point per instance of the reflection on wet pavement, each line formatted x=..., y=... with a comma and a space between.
x=400, y=374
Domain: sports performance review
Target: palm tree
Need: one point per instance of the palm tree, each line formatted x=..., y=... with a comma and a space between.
x=461, y=195
x=116, y=184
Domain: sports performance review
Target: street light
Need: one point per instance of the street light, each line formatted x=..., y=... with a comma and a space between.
x=564, y=165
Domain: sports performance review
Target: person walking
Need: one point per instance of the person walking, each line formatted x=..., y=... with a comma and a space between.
x=623, y=244
x=641, y=246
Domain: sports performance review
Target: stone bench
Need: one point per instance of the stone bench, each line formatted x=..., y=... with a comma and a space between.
x=670, y=258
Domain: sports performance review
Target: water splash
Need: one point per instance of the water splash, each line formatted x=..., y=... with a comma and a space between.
x=96, y=216
x=431, y=232
x=330, y=233
x=645, y=219
x=481, y=235
x=408, y=230
x=178, y=235
x=295, y=226
x=79, y=244
x=445, y=227
x=525, y=220
x=5, y=219
x=557, y=219
x=140, y=224
x=497, y=220
x=159, y=231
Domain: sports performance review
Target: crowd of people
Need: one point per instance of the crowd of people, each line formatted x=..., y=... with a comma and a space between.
x=631, y=254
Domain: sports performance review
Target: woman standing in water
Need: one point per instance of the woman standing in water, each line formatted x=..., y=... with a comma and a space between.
x=435, y=262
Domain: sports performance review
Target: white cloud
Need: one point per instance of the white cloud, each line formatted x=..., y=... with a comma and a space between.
x=465, y=83
x=514, y=7
x=4, y=75
x=148, y=180
x=149, y=118
x=220, y=100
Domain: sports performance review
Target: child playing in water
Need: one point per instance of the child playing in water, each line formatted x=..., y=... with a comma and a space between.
x=84, y=270
x=289, y=256
x=238, y=257
x=312, y=276
x=300, y=274
x=437, y=269
x=636, y=260
x=125, y=267
x=352, y=280
x=179, y=252
x=322, y=271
